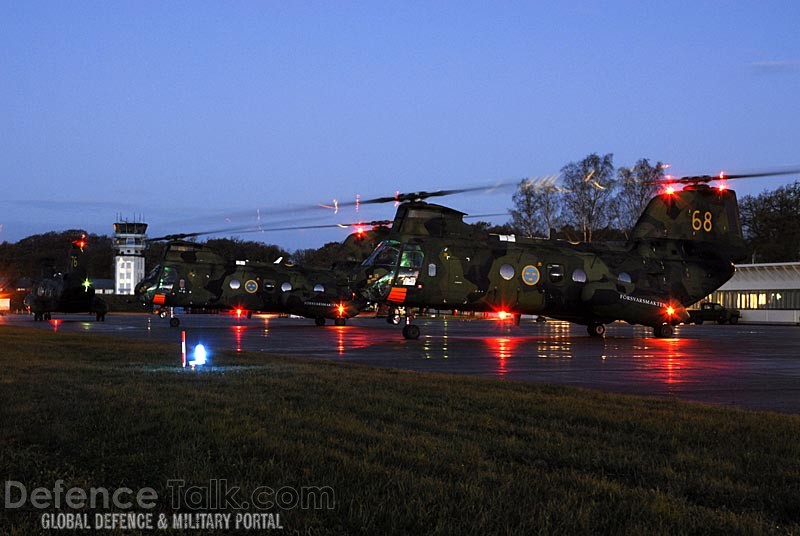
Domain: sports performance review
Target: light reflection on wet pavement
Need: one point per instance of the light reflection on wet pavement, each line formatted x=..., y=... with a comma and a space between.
x=746, y=365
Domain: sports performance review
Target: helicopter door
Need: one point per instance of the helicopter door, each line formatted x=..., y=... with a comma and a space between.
x=458, y=286
x=410, y=264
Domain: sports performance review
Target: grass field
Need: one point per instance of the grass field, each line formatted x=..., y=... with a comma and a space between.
x=403, y=452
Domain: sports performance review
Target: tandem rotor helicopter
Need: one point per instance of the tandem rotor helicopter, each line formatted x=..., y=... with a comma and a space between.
x=70, y=292
x=193, y=275
x=682, y=248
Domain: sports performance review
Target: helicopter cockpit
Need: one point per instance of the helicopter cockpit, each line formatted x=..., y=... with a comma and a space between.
x=392, y=264
x=160, y=279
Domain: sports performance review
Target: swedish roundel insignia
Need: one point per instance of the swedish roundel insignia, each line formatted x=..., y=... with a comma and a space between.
x=251, y=286
x=530, y=275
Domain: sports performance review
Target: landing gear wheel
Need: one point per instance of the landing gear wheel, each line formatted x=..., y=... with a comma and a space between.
x=596, y=329
x=47, y=316
x=99, y=317
x=734, y=320
x=411, y=331
x=249, y=315
x=320, y=321
x=174, y=322
x=664, y=331
x=339, y=321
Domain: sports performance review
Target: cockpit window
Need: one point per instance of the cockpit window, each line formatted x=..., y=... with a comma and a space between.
x=386, y=254
x=412, y=257
x=410, y=262
x=168, y=277
x=153, y=273
x=392, y=265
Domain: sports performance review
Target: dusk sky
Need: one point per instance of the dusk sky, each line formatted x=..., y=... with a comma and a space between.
x=192, y=112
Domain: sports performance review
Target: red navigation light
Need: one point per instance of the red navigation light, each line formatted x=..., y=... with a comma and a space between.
x=721, y=187
x=670, y=310
x=340, y=309
x=502, y=315
x=239, y=312
x=670, y=190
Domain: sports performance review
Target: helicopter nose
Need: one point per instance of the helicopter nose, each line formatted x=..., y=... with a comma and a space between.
x=140, y=290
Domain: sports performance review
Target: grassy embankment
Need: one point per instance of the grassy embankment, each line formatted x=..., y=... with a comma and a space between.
x=404, y=452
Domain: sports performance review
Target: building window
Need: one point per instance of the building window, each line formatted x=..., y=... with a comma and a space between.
x=757, y=299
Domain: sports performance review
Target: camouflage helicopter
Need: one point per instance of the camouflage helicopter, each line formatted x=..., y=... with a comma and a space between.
x=682, y=248
x=71, y=292
x=193, y=275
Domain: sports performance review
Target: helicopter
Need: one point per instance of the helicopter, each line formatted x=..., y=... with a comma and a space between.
x=682, y=248
x=195, y=276
x=71, y=292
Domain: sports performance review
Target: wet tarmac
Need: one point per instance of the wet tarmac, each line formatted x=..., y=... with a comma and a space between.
x=751, y=366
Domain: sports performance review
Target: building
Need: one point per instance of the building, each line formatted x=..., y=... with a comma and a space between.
x=103, y=286
x=129, y=243
x=763, y=292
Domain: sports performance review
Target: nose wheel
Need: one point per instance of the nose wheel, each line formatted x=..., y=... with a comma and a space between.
x=664, y=331
x=411, y=331
x=596, y=329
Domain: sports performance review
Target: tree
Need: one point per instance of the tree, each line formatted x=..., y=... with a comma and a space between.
x=537, y=205
x=635, y=189
x=355, y=248
x=45, y=254
x=588, y=196
x=771, y=224
x=523, y=216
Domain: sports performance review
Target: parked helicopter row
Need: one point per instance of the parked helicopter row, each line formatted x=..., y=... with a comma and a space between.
x=683, y=247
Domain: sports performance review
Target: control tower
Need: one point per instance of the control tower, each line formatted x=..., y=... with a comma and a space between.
x=129, y=245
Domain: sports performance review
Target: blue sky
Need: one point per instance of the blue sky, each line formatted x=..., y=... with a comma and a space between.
x=189, y=112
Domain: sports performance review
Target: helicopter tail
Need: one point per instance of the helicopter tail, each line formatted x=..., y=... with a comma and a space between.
x=703, y=219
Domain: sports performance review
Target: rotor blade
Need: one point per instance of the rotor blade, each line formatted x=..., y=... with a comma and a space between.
x=263, y=229
x=397, y=198
x=181, y=236
x=772, y=173
x=335, y=204
x=422, y=195
x=723, y=176
x=474, y=216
